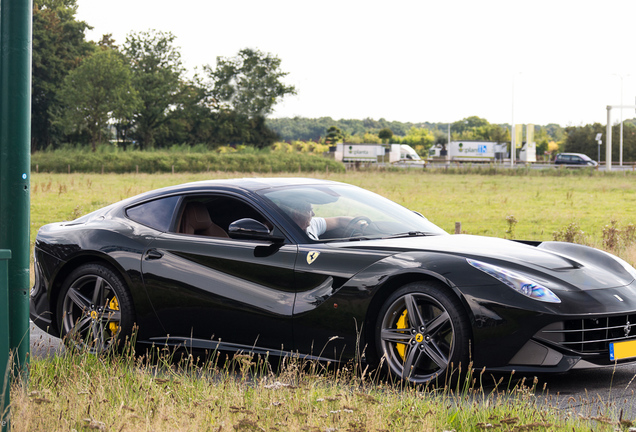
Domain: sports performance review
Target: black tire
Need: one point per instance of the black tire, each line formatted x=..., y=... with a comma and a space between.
x=95, y=309
x=431, y=348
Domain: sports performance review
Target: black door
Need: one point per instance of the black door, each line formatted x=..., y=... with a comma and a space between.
x=210, y=289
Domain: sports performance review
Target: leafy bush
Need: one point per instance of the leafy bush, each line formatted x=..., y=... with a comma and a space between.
x=181, y=159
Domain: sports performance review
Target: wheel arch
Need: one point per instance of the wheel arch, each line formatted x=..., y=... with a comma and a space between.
x=72, y=264
x=397, y=281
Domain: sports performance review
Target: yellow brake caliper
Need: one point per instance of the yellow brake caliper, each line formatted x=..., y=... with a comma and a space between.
x=402, y=324
x=114, y=305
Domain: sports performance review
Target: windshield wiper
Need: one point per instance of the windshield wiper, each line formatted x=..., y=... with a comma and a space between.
x=408, y=234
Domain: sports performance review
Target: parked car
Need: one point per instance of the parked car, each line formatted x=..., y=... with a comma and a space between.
x=230, y=265
x=578, y=159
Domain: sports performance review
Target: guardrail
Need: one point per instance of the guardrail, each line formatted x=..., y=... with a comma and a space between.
x=627, y=166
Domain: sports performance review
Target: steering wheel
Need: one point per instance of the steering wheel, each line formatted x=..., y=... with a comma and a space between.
x=354, y=225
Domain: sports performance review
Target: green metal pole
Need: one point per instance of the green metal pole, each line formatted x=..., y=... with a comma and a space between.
x=5, y=396
x=15, y=135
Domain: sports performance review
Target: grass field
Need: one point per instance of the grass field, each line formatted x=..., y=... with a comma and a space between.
x=82, y=392
x=483, y=204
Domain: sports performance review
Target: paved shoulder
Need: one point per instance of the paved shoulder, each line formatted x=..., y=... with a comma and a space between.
x=43, y=344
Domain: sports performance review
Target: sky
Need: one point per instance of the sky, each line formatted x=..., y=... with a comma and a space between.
x=537, y=62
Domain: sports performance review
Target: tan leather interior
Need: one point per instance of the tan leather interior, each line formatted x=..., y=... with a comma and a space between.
x=196, y=220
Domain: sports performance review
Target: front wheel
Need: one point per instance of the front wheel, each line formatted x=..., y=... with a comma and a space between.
x=95, y=310
x=422, y=334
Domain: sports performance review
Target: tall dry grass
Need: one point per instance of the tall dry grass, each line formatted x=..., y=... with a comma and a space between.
x=82, y=392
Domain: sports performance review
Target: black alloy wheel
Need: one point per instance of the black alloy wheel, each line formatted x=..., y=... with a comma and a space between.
x=422, y=334
x=95, y=309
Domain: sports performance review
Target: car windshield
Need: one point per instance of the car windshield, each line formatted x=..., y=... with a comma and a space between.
x=350, y=212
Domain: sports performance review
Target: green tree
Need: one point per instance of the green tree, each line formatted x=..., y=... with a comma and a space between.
x=556, y=132
x=228, y=127
x=477, y=129
x=333, y=136
x=440, y=137
x=419, y=137
x=582, y=139
x=248, y=84
x=496, y=133
x=190, y=121
x=469, y=128
x=385, y=134
x=541, y=138
x=107, y=42
x=98, y=90
x=157, y=71
x=59, y=45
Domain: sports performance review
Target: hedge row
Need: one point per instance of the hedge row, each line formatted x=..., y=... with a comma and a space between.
x=163, y=162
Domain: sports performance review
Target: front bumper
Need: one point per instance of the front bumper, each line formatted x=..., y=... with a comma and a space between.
x=534, y=337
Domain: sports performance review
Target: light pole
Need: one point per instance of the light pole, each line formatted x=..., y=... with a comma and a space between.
x=513, y=144
x=620, y=143
x=512, y=126
x=448, y=145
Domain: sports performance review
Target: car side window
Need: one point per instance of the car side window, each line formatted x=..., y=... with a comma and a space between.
x=211, y=215
x=157, y=214
x=195, y=220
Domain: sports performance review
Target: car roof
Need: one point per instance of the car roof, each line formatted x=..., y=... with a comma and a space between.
x=572, y=154
x=247, y=184
x=242, y=184
x=237, y=184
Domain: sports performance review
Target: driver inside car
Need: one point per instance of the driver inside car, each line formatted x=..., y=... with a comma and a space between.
x=302, y=213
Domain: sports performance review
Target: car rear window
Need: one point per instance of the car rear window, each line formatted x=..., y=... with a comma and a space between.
x=157, y=214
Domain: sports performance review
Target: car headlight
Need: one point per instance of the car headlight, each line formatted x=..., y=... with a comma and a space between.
x=518, y=282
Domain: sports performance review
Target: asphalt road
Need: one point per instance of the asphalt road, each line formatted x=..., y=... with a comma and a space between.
x=44, y=345
x=590, y=393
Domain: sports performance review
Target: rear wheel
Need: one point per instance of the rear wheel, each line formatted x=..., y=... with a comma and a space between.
x=95, y=310
x=422, y=334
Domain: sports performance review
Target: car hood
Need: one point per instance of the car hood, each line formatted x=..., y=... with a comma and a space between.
x=581, y=266
x=477, y=246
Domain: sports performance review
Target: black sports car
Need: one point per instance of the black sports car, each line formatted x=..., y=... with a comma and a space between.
x=328, y=271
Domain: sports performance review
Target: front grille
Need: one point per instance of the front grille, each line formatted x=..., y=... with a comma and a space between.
x=590, y=335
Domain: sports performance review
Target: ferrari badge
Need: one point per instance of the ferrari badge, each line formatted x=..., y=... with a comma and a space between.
x=311, y=256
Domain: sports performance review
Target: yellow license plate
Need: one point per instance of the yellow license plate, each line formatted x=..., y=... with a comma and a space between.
x=622, y=350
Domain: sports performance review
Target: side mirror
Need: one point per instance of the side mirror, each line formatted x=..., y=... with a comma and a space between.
x=251, y=229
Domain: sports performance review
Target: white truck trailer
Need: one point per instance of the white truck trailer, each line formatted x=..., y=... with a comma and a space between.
x=470, y=151
x=373, y=153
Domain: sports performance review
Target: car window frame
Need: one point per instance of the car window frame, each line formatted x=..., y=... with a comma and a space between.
x=148, y=201
x=267, y=215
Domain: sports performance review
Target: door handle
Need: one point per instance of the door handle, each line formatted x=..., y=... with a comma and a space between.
x=153, y=254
